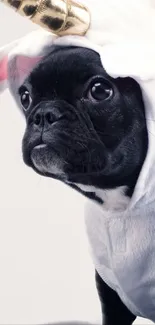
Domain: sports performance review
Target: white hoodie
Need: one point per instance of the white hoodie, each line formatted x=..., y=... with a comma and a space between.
x=122, y=242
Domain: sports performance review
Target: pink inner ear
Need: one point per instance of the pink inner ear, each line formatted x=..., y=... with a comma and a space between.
x=3, y=69
x=25, y=65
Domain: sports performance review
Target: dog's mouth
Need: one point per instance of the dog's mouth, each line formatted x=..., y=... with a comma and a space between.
x=50, y=165
x=40, y=146
x=52, y=161
x=47, y=161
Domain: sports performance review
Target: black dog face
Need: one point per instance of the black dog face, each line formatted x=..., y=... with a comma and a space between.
x=83, y=127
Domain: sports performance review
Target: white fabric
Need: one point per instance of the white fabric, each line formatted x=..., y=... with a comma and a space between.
x=112, y=21
x=123, y=244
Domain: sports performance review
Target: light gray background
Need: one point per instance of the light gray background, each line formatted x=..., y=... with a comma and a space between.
x=46, y=273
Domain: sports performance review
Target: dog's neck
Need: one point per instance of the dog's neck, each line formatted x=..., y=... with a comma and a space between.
x=116, y=199
x=110, y=194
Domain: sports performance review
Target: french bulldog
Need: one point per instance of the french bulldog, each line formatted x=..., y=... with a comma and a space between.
x=89, y=131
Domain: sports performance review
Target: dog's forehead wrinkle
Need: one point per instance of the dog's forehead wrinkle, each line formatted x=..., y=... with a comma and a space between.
x=63, y=74
x=76, y=63
x=67, y=52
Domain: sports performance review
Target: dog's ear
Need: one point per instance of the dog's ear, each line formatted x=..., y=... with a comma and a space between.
x=4, y=52
x=3, y=72
x=19, y=68
x=18, y=59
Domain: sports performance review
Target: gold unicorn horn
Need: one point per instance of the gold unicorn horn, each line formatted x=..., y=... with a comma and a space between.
x=61, y=17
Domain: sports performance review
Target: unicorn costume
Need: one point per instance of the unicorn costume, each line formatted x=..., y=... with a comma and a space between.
x=122, y=242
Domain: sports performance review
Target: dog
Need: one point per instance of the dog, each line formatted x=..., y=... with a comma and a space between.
x=89, y=131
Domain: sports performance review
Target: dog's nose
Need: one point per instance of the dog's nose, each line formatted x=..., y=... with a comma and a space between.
x=43, y=117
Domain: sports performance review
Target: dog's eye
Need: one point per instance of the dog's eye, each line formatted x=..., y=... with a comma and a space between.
x=100, y=90
x=25, y=98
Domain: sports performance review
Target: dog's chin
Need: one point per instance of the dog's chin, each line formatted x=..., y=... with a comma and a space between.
x=47, y=162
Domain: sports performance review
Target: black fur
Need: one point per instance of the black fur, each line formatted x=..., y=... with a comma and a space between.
x=113, y=310
x=102, y=143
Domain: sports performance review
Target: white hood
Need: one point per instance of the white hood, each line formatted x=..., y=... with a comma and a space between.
x=123, y=33
x=113, y=22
